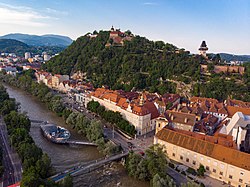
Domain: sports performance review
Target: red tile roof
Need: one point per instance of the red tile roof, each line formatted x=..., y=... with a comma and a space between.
x=232, y=110
x=207, y=148
x=180, y=117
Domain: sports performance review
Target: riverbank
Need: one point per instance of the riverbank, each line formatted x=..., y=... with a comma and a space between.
x=64, y=156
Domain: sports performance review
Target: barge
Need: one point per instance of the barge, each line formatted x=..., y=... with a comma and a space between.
x=54, y=133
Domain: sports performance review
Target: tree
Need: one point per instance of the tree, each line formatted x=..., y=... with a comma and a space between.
x=162, y=182
x=201, y=170
x=30, y=178
x=81, y=123
x=94, y=131
x=157, y=162
x=132, y=164
x=67, y=181
x=43, y=166
x=20, y=136
x=71, y=120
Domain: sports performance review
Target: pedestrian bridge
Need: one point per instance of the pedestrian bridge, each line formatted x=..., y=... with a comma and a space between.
x=80, y=143
x=88, y=167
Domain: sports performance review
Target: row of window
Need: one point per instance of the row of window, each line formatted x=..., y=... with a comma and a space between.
x=208, y=169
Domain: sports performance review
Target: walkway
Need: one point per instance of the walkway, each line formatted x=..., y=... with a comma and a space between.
x=85, y=168
x=80, y=143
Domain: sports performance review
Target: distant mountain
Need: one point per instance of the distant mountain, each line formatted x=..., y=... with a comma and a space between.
x=19, y=48
x=45, y=40
x=13, y=46
x=231, y=57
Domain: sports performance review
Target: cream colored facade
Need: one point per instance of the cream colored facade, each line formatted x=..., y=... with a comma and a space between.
x=214, y=168
x=56, y=79
x=143, y=124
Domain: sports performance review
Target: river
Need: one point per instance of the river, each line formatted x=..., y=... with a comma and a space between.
x=65, y=156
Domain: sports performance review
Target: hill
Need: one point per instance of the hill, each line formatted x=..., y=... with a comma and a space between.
x=139, y=63
x=19, y=48
x=35, y=40
x=13, y=46
x=145, y=65
x=231, y=57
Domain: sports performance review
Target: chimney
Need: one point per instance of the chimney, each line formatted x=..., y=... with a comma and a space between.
x=186, y=120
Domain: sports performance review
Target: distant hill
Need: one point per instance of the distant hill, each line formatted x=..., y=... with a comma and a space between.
x=13, y=46
x=231, y=57
x=19, y=48
x=35, y=40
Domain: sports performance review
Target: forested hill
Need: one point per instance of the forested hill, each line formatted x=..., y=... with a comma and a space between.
x=11, y=46
x=139, y=63
x=19, y=48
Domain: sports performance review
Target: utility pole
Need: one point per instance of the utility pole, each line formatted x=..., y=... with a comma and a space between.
x=113, y=132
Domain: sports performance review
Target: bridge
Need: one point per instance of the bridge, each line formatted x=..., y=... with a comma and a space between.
x=37, y=121
x=79, y=143
x=88, y=167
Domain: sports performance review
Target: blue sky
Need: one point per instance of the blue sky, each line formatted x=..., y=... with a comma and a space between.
x=224, y=24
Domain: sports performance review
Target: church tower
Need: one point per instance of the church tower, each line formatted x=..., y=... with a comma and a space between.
x=203, y=49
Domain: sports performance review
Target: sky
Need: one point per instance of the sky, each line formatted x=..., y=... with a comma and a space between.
x=223, y=24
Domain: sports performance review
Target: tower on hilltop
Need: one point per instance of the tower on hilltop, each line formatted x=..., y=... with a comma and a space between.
x=203, y=49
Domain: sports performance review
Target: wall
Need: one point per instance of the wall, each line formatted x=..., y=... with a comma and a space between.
x=216, y=169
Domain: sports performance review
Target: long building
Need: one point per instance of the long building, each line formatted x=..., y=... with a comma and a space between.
x=219, y=155
x=141, y=110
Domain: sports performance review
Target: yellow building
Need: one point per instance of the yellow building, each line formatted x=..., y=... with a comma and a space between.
x=224, y=163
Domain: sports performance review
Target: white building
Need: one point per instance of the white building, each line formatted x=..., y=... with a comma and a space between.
x=237, y=127
x=141, y=114
x=27, y=55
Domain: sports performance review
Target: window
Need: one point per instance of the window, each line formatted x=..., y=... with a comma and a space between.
x=214, y=170
x=181, y=157
x=159, y=125
x=241, y=173
x=207, y=168
x=194, y=162
x=202, y=158
x=173, y=154
x=187, y=159
x=230, y=177
x=240, y=180
x=221, y=173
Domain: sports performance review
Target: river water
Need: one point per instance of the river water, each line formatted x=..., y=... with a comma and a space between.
x=65, y=156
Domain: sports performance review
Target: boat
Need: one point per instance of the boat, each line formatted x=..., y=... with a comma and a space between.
x=54, y=133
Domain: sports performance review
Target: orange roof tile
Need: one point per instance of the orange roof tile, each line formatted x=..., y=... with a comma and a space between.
x=152, y=109
x=207, y=148
x=203, y=99
x=233, y=109
x=140, y=110
x=183, y=118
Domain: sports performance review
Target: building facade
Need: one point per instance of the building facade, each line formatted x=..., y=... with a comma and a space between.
x=222, y=162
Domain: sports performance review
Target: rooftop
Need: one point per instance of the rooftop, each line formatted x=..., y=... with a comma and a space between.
x=217, y=149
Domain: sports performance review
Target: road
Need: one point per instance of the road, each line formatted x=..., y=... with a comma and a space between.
x=12, y=164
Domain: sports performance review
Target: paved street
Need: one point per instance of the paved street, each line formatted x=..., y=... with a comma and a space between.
x=12, y=164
